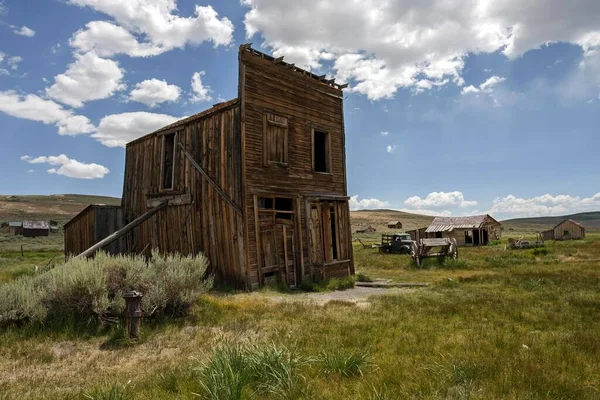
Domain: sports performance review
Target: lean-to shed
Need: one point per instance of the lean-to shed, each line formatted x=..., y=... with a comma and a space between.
x=257, y=183
x=91, y=225
x=394, y=225
x=468, y=231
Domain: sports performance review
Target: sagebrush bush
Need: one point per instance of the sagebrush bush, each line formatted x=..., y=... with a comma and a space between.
x=345, y=363
x=84, y=288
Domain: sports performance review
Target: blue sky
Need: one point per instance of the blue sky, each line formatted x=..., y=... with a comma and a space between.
x=453, y=107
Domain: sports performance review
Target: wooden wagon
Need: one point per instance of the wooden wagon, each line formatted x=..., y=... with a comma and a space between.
x=525, y=244
x=439, y=247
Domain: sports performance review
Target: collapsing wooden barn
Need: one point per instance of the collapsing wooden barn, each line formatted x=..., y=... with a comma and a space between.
x=35, y=228
x=257, y=183
x=94, y=223
x=468, y=231
x=565, y=230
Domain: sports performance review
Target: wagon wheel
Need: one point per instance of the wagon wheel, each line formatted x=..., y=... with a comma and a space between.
x=414, y=253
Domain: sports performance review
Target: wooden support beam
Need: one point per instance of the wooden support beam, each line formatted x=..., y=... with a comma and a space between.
x=123, y=231
x=209, y=180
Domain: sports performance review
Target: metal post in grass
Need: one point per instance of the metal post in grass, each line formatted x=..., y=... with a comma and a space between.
x=133, y=313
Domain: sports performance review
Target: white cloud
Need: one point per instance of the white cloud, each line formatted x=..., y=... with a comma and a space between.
x=24, y=31
x=152, y=92
x=385, y=133
x=201, y=92
x=88, y=78
x=55, y=48
x=117, y=130
x=390, y=148
x=4, y=71
x=69, y=167
x=35, y=108
x=380, y=46
x=366, y=204
x=485, y=87
x=30, y=171
x=512, y=206
x=13, y=62
x=153, y=20
x=440, y=200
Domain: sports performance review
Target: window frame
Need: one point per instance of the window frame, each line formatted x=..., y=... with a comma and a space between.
x=328, y=160
x=162, y=162
x=266, y=123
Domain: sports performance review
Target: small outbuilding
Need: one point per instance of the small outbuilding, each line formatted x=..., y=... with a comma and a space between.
x=416, y=234
x=394, y=225
x=475, y=230
x=365, y=229
x=94, y=223
x=566, y=230
x=35, y=228
x=15, y=227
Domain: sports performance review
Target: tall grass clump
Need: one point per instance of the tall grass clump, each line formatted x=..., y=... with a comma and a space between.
x=344, y=363
x=92, y=289
x=236, y=371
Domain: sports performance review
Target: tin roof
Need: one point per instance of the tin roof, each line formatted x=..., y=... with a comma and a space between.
x=35, y=225
x=568, y=220
x=16, y=224
x=447, y=224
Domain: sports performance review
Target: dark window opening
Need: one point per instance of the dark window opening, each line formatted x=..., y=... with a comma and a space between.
x=438, y=235
x=321, y=151
x=168, y=161
x=334, y=248
x=269, y=274
x=566, y=233
x=468, y=237
x=283, y=216
x=265, y=203
x=283, y=204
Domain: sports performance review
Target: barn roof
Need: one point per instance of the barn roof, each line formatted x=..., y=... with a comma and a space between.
x=35, y=225
x=14, y=224
x=447, y=224
x=568, y=220
x=394, y=222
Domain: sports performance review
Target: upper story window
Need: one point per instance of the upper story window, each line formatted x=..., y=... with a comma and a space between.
x=168, y=162
x=321, y=151
x=275, y=139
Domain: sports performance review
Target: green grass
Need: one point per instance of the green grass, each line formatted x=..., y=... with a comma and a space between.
x=495, y=325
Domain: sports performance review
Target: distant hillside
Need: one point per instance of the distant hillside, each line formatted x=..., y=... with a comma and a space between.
x=380, y=218
x=591, y=220
x=59, y=207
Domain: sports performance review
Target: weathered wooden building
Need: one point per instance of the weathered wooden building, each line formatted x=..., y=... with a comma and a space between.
x=416, y=234
x=90, y=226
x=365, y=229
x=15, y=228
x=257, y=183
x=394, y=225
x=565, y=230
x=35, y=228
x=468, y=231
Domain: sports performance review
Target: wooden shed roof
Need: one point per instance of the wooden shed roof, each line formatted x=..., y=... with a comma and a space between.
x=569, y=220
x=35, y=225
x=86, y=209
x=447, y=224
x=394, y=222
x=15, y=224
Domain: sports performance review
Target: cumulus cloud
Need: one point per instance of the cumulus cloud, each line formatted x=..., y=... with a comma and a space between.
x=390, y=148
x=69, y=167
x=117, y=130
x=201, y=92
x=485, y=87
x=440, y=200
x=380, y=46
x=13, y=62
x=366, y=204
x=24, y=31
x=153, y=20
x=152, y=92
x=35, y=108
x=385, y=133
x=88, y=78
x=513, y=206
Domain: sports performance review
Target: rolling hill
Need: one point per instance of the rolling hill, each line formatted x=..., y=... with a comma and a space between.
x=59, y=207
x=591, y=220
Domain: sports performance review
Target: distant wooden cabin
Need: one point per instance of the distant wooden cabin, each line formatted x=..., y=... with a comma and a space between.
x=468, y=231
x=15, y=228
x=365, y=229
x=566, y=230
x=257, y=183
x=35, y=228
x=90, y=226
x=394, y=225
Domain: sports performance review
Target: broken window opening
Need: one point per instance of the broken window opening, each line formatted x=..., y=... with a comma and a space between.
x=321, y=151
x=332, y=215
x=168, y=162
x=468, y=237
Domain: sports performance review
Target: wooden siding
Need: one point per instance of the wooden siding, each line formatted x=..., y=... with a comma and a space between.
x=305, y=103
x=568, y=230
x=206, y=222
x=90, y=226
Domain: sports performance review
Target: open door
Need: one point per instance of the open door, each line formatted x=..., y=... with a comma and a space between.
x=276, y=240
